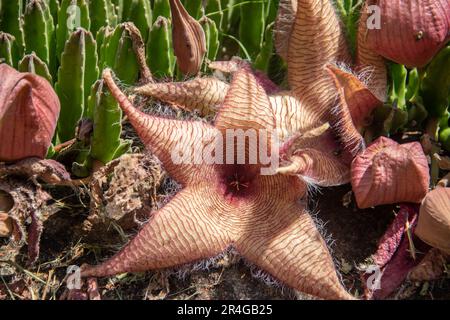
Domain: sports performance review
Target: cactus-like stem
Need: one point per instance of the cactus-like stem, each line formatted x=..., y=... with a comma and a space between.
x=213, y=10
x=252, y=27
x=102, y=37
x=102, y=13
x=160, y=56
x=140, y=13
x=54, y=9
x=8, y=49
x=193, y=7
x=77, y=74
x=107, y=117
x=40, y=32
x=212, y=38
x=72, y=15
x=161, y=8
x=11, y=22
x=262, y=61
x=120, y=54
x=31, y=63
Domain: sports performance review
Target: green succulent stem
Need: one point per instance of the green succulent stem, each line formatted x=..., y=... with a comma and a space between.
x=77, y=74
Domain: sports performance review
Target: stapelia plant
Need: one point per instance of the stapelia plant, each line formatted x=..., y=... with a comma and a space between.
x=305, y=123
x=319, y=139
x=77, y=74
x=230, y=205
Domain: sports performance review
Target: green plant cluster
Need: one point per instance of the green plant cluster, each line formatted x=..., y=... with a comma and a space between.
x=418, y=99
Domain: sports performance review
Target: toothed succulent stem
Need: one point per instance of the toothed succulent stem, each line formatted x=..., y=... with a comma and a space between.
x=77, y=74
x=193, y=7
x=160, y=57
x=252, y=27
x=120, y=55
x=40, y=32
x=54, y=9
x=11, y=21
x=73, y=14
x=212, y=38
x=103, y=35
x=8, y=49
x=31, y=63
x=397, y=95
x=262, y=61
x=107, y=118
x=161, y=8
x=213, y=10
x=102, y=13
x=435, y=89
x=140, y=12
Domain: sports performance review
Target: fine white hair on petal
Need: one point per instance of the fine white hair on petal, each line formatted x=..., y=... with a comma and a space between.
x=364, y=75
x=204, y=265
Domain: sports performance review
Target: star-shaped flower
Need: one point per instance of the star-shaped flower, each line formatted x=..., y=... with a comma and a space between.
x=228, y=205
x=234, y=204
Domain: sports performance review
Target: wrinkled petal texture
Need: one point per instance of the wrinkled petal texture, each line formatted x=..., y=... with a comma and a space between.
x=411, y=32
x=29, y=109
x=320, y=160
x=205, y=95
x=316, y=40
x=284, y=23
x=370, y=64
x=434, y=220
x=388, y=173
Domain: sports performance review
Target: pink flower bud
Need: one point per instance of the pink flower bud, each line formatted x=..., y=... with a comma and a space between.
x=29, y=110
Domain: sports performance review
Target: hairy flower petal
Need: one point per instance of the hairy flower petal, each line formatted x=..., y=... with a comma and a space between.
x=284, y=24
x=317, y=39
x=369, y=63
x=205, y=95
x=359, y=99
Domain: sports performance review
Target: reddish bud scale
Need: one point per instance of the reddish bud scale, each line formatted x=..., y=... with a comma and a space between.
x=389, y=173
x=411, y=32
x=189, y=39
x=29, y=109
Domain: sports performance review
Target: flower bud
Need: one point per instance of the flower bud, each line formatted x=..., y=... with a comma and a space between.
x=410, y=32
x=189, y=39
x=388, y=173
x=29, y=109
